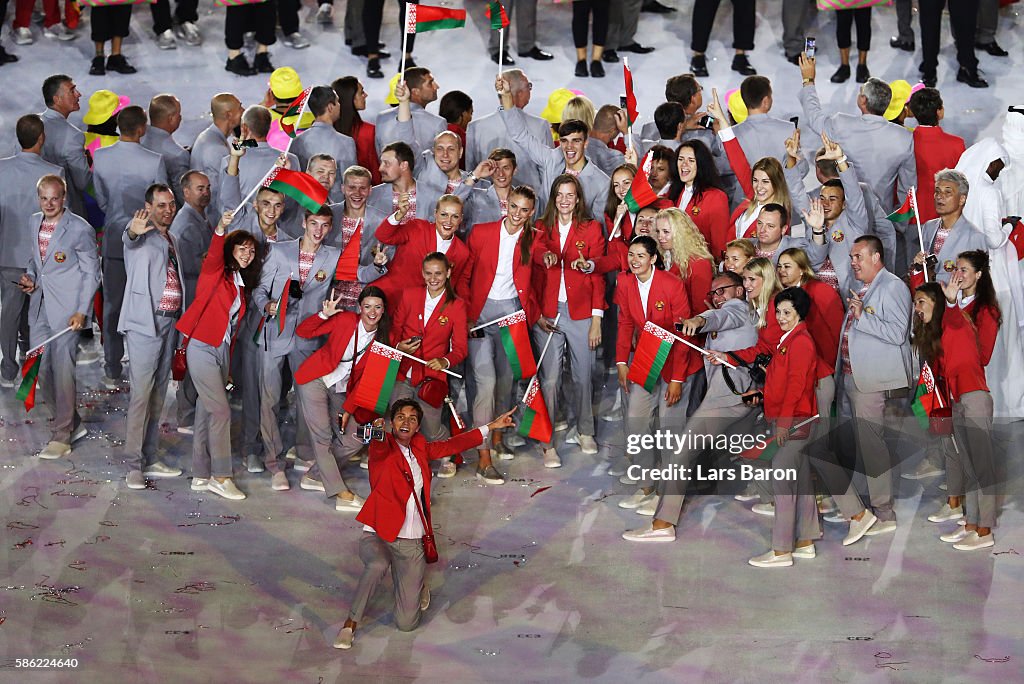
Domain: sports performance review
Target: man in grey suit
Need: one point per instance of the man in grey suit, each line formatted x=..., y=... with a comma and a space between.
x=488, y=133
x=154, y=300
x=253, y=167
x=18, y=201
x=490, y=203
x=873, y=366
x=397, y=165
x=300, y=271
x=606, y=128
x=882, y=152
x=164, y=120
x=121, y=175
x=62, y=276
x=211, y=145
x=951, y=233
x=352, y=214
x=422, y=91
x=773, y=236
x=65, y=144
x=321, y=138
x=761, y=135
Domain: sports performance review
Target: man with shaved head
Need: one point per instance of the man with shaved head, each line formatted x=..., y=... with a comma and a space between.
x=164, y=120
x=211, y=145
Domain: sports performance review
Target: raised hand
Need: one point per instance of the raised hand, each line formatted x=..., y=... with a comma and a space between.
x=331, y=304
x=793, y=145
x=402, y=93
x=814, y=215
x=403, y=206
x=282, y=161
x=692, y=326
x=631, y=157
x=225, y=220
x=380, y=255
x=140, y=224
x=953, y=287
x=485, y=169
x=236, y=150
x=715, y=109
x=807, y=68
x=832, y=149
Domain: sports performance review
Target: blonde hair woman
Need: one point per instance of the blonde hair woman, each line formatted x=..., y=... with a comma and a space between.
x=684, y=251
x=580, y=108
x=761, y=284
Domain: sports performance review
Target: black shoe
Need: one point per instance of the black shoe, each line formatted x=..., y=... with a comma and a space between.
x=842, y=74
x=361, y=51
x=610, y=56
x=794, y=60
x=862, y=73
x=699, y=66
x=98, y=67
x=261, y=62
x=506, y=60
x=239, y=65
x=656, y=7
x=373, y=69
x=6, y=57
x=581, y=68
x=993, y=49
x=929, y=79
x=637, y=48
x=538, y=54
x=900, y=44
x=971, y=78
x=741, y=64
x=597, y=69
x=119, y=64
x=409, y=63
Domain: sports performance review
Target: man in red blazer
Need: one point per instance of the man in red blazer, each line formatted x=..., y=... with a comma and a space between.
x=393, y=525
x=416, y=239
x=934, y=149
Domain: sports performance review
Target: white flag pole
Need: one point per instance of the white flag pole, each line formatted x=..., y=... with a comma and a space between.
x=543, y=351
x=920, y=235
x=490, y=323
x=501, y=48
x=629, y=124
x=416, y=358
x=47, y=341
x=410, y=20
x=703, y=351
x=254, y=189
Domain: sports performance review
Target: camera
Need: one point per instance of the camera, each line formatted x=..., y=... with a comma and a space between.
x=295, y=290
x=622, y=102
x=244, y=143
x=707, y=121
x=810, y=47
x=369, y=433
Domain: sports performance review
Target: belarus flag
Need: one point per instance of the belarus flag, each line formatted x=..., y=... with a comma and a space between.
x=515, y=339
x=651, y=354
x=378, y=379
x=926, y=399
x=536, y=422
x=496, y=13
x=420, y=18
x=290, y=120
x=300, y=186
x=631, y=111
x=30, y=375
x=906, y=211
x=640, y=191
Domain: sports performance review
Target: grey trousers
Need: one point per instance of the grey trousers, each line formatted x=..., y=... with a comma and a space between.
x=526, y=26
x=972, y=469
x=185, y=399
x=647, y=412
x=572, y=339
x=56, y=379
x=13, y=322
x=491, y=370
x=246, y=364
x=211, y=443
x=271, y=382
x=623, y=17
x=904, y=16
x=796, y=512
x=114, y=281
x=868, y=412
x=703, y=421
x=988, y=22
x=320, y=406
x=835, y=478
x=794, y=21
x=432, y=426
x=148, y=374
x=405, y=559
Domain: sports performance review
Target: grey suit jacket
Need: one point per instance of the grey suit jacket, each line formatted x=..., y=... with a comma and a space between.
x=878, y=224
x=121, y=174
x=177, y=160
x=321, y=138
x=381, y=200
x=730, y=327
x=372, y=218
x=282, y=264
x=789, y=241
x=65, y=147
x=425, y=126
x=427, y=173
x=851, y=224
x=488, y=133
x=880, y=338
x=208, y=152
x=880, y=150
x=483, y=207
x=18, y=201
x=252, y=168
x=606, y=158
x=145, y=262
x=192, y=234
x=762, y=135
x=67, y=280
x=963, y=237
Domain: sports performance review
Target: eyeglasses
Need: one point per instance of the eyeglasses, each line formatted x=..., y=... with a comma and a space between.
x=719, y=291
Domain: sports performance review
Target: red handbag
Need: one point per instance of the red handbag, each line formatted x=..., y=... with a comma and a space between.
x=433, y=391
x=940, y=418
x=179, y=364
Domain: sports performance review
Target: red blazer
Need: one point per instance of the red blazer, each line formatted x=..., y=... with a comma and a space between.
x=366, y=150
x=444, y=335
x=384, y=509
x=584, y=292
x=767, y=337
x=339, y=328
x=617, y=248
x=790, y=380
x=934, y=150
x=825, y=321
x=207, y=318
x=416, y=239
x=667, y=304
x=710, y=212
x=483, y=245
x=967, y=348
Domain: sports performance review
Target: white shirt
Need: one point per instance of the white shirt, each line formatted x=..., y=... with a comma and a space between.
x=429, y=305
x=442, y=245
x=745, y=220
x=236, y=306
x=782, y=339
x=645, y=290
x=563, y=235
x=685, y=197
x=503, y=286
x=412, y=528
x=338, y=377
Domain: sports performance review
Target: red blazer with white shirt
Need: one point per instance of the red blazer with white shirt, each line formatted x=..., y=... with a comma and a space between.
x=968, y=337
x=790, y=382
x=339, y=328
x=384, y=509
x=528, y=278
x=414, y=240
x=584, y=292
x=667, y=304
x=709, y=211
x=207, y=318
x=443, y=336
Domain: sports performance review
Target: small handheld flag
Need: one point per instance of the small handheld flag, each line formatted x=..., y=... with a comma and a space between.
x=300, y=186
x=282, y=305
x=905, y=212
x=515, y=340
x=631, y=111
x=650, y=356
x=292, y=116
x=30, y=376
x=640, y=191
x=379, y=375
x=496, y=13
x=420, y=18
x=536, y=422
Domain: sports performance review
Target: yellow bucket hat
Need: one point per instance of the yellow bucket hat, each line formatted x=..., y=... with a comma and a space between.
x=737, y=107
x=391, y=99
x=103, y=104
x=285, y=83
x=556, y=103
x=900, y=94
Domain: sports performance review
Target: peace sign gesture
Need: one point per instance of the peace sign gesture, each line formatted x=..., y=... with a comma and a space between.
x=331, y=304
x=380, y=255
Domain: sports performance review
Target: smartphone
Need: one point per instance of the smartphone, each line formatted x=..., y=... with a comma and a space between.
x=707, y=121
x=371, y=433
x=622, y=102
x=795, y=120
x=679, y=327
x=810, y=47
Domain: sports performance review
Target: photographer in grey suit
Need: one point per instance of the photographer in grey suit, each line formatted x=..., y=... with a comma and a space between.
x=62, y=276
x=153, y=302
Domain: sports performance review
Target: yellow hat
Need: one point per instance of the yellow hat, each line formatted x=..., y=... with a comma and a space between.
x=103, y=104
x=556, y=103
x=391, y=99
x=285, y=83
x=737, y=107
x=900, y=94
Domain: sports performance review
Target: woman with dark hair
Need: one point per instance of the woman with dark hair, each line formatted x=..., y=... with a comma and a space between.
x=352, y=98
x=618, y=221
x=430, y=322
x=660, y=176
x=456, y=107
x=230, y=270
x=697, y=190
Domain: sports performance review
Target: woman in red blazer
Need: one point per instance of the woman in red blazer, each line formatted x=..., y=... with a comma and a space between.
x=231, y=267
x=352, y=98
x=516, y=246
x=393, y=528
x=761, y=283
x=430, y=322
x=684, y=252
x=697, y=190
x=649, y=293
x=574, y=292
x=325, y=381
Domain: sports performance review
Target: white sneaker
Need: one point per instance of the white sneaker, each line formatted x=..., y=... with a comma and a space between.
x=200, y=484
x=226, y=489
x=626, y=479
x=974, y=541
x=311, y=485
x=355, y=504
x=513, y=440
x=587, y=444
x=59, y=32
x=551, y=459
x=882, y=528
x=763, y=509
x=804, y=551
x=291, y=454
x=636, y=500
x=165, y=41
x=253, y=464
x=447, y=468
x=344, y=639
x=835, y=517
x=135, y=480
x=945, y=513
x=187, y=430
x=561, y=425
x=80, y=433
x=858, y=528
x=770, y=560
x=649, y=534
x=744, y=497
x=572, y=437
x=160, y=469
x=826, y=504
x=9, y=384
x=490, y=475
x=189, y=32
x=55, y=450
x=649, y=507
x=110, y=383
x=23, y=36
x=303, y=466
x=502, y=452
x=324, y=15
x=956, y=536
x=296, y=41
x=924, y=470
x=279, y=482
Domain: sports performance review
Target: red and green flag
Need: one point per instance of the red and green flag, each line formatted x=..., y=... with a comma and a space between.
x=496, y=13
x=906, y=211
x=300, y=186
x=515, y=339
x=536, y=422
x=631, y=111
x=651, y=354
x=29, y=378
x=374, y=389
x=291, y=119
x=348, y=262
x=420, y=18
x=282, y=306
x=926, y=399
x=259, y=330
x=640, y=191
